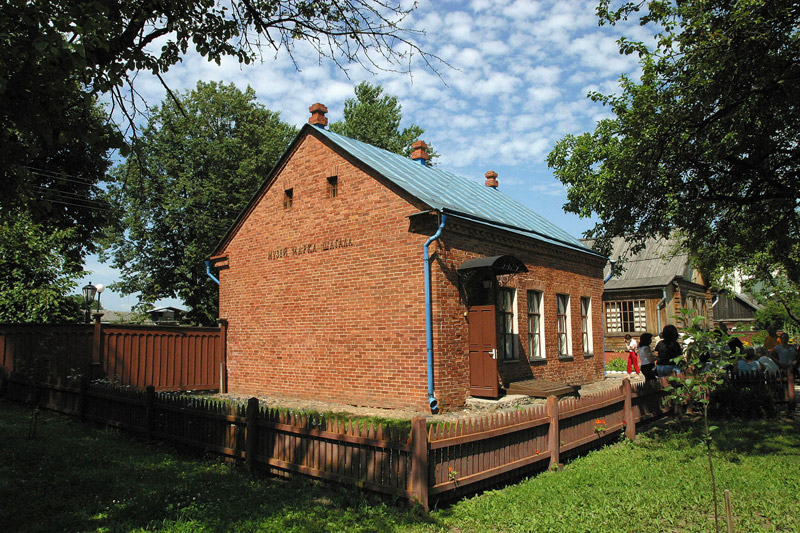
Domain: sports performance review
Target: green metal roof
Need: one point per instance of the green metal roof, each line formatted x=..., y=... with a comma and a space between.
x=455, y=195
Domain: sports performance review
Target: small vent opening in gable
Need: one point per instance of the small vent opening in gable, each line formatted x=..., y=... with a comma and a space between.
x=288, y=197
x=333, y=186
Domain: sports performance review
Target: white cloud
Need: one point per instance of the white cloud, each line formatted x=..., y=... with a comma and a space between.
x=458, y=25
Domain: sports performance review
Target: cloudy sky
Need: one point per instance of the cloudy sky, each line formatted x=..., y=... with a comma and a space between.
x=518, y=75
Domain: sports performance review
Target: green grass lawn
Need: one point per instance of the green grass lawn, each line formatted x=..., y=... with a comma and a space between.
x=75, y=477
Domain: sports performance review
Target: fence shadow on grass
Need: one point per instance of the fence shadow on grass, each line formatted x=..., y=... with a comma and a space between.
x=79, y=478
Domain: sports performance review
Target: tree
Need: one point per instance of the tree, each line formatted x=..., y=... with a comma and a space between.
x=374, y=117
x=197, y=164
x=37, y=272
x=49, y=47
x=705, y=144
x=704, y=362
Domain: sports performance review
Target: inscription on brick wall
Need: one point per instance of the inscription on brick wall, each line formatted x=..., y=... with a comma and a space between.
x=309, y=248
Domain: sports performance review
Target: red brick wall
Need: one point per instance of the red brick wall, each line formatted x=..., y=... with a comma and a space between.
x=551, y=270
x=347, y=323
x=344, y=324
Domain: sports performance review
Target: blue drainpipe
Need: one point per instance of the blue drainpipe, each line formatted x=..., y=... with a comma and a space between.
x=429, y=316
x=210, y=275
x=610, y=273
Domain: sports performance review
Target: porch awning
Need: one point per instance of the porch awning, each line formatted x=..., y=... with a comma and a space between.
x=498, y=264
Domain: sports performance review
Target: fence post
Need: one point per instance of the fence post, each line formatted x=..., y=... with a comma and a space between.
x=553, y=433
x=251, y=435
x=96, y=368
x=419, y=462
x=149, y=411
x=627, y=410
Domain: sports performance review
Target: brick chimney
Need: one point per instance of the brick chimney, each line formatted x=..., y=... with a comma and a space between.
x=491, y=179
x=420, y=152
x=318, y=117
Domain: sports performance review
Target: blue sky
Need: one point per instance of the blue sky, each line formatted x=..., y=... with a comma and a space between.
x=520, y=74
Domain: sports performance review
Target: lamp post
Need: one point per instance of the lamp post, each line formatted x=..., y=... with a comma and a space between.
x=89, y=291
x=100, y=288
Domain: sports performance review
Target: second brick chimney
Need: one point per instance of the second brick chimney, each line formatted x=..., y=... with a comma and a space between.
x=318, y=117
x=491, y=179
x=420, y=153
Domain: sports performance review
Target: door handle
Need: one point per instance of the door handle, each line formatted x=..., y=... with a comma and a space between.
x=494, y=353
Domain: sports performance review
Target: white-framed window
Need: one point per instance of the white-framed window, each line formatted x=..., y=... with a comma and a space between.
x=626, y=316
x=563, y=325
x=506, y=311
x=586, y=324
x=535, y=326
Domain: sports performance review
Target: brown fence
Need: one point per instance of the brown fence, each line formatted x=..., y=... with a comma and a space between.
x=422, y=463
x=169, y=358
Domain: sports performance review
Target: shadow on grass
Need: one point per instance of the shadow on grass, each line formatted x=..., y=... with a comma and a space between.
x=736, y=437
x=78, y=478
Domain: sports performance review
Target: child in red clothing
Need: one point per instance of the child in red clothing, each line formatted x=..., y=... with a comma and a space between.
x=633, y=359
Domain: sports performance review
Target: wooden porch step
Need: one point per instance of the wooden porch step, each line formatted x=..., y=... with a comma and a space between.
x=541, y=388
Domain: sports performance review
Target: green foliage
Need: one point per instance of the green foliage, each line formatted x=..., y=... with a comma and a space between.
x=704, y=143
x=37, y=271
x=781, y=308
x=374, y=117
x=196, y=167
x=619, y=364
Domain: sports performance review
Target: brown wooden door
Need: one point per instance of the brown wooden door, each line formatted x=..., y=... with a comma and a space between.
x=482, y=351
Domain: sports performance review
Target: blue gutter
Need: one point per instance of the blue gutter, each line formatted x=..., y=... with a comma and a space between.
x=429, y=316
x=210, y=275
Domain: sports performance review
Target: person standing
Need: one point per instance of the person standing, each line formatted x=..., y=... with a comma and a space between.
x=667, y=350
x=633, y=359
x=772, y=338
x=646, y=357
x=786, y=353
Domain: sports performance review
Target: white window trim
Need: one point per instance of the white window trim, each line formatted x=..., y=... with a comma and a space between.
x=514, y=326
x=568, y=332
x=589, y=348
x=542, y=351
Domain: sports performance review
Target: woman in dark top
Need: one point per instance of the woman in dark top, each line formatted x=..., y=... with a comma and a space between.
x=667, y=349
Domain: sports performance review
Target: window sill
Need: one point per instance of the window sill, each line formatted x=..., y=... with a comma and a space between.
x=537, y=360
x=509, y=361
x=588, y=355
x=566, y=358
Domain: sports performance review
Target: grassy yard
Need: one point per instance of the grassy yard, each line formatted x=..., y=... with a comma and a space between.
x=74, y=477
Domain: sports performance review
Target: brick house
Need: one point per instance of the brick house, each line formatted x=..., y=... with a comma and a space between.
x=324, y=283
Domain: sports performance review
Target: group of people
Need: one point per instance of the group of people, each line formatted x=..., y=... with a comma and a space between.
x=775, y=354
x=658, y=362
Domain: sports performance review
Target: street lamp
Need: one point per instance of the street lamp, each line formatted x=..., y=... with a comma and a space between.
x=89, y=291
x=100, y=288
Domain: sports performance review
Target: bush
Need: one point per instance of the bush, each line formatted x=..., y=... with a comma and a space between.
x=620, y=364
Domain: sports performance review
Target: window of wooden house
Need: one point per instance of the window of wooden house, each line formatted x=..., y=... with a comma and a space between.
x=505, y=310
x=586, y=325
x=288, y=197
x=626, y=316
x=535, y=330
x=333, y=186
x=563, y=325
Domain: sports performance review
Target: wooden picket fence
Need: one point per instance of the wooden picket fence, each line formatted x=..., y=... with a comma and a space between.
x=423, y=463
